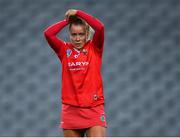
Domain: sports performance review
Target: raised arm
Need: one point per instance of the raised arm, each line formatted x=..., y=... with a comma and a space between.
x=51, y=36
x=98, y=38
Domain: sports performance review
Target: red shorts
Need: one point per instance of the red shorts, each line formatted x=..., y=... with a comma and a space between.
x=79, y=118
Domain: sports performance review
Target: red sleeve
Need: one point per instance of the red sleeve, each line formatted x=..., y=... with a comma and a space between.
x=98, y=38
x=50, y=34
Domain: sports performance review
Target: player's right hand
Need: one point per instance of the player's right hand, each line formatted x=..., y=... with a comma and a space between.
x=70, y=12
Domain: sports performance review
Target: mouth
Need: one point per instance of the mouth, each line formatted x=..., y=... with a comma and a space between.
x=78, y=43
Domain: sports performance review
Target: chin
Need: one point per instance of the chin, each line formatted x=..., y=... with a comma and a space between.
x=78, y=47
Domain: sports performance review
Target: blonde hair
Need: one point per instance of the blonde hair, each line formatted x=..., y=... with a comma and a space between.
x=75, y=20
x=90, y=32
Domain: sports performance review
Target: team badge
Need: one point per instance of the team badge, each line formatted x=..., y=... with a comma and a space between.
x=68, y=52
x=102, y=118
x=84, y=51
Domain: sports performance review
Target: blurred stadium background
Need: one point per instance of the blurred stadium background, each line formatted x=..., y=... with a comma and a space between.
x=141, y=66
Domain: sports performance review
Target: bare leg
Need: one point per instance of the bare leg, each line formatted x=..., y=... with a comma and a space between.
x=73, y=133
x=96, y=131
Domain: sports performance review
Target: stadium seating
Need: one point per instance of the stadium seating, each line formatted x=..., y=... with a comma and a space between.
x=141, y=66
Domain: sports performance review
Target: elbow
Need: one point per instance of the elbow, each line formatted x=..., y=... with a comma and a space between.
x=46, y=34
x=101, y=27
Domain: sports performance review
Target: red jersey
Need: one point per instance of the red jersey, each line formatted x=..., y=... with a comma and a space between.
x=81, y=70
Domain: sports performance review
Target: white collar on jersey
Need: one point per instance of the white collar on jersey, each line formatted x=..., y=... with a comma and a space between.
x=76, y=50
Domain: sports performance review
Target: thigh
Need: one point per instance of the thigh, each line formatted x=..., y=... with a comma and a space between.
x=73, y=133
x=96, y=131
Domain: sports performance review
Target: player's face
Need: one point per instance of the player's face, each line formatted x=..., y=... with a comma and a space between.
x=78, y=35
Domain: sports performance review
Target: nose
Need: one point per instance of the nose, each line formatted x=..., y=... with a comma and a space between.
x=77, y=38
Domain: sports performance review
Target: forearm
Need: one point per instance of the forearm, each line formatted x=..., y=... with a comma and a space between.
x=92, y=21
x=50, y=34
x=54, y=29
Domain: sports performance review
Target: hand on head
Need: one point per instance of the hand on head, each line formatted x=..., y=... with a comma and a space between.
x=70, y=12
